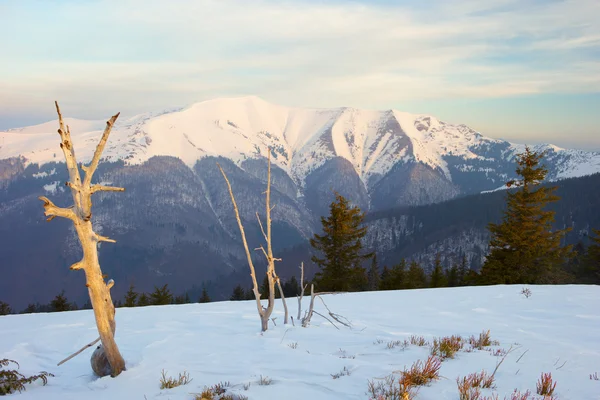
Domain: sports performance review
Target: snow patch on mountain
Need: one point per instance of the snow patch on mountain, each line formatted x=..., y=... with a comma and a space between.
x=301, y=139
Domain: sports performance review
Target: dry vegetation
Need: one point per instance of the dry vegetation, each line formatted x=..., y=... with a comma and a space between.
x=447, y=347
x=167, y=382
x=11, y=380
x=545, y=386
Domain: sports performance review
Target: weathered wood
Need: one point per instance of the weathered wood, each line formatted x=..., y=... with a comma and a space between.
x=80, y=214
x=311, y=307
x=78, y=351
x=247, y=250
x=263, y=312
x=285, y=309
x=302, y=288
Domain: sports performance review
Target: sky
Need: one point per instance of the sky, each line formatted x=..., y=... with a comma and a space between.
x=521, y=70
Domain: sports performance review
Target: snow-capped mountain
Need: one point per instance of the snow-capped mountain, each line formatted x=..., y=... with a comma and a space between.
x=174, y=223
x=372, y=143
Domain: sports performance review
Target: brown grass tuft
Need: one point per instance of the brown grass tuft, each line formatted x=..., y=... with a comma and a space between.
x=447, y=347
x=418, y=341
x=484, y=340
x=170, y=383
x=421, y=374
x=545, y=386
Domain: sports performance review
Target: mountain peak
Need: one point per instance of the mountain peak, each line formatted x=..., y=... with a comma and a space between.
x=301, y=139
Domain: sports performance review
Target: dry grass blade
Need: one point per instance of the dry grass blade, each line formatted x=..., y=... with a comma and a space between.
x=170, y=383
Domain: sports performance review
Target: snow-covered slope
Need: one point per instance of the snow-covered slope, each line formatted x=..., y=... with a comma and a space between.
x=302, y=139
x=554, y=331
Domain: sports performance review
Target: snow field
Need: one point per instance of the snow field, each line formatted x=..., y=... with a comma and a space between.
x=219, y=342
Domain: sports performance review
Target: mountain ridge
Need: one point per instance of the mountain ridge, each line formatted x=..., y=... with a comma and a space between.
x=301, y=139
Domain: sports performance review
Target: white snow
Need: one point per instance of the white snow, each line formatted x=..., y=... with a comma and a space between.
x=51, y=187
x=302, y=139
x=556, y=330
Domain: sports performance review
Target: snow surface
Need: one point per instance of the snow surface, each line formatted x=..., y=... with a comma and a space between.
x=302, y=139
x=556, y=330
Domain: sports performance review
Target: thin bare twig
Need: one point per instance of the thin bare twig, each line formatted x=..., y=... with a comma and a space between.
x=78, y=352
x=331, y=322
x=516, y=362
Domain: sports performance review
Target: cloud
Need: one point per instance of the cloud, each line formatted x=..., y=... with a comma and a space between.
x=140, y=54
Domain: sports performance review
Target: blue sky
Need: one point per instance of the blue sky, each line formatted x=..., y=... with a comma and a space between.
x=527, y=70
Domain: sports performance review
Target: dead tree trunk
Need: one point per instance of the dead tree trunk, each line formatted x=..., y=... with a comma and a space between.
x=264, y=313
x=81, y=216
x=311, y=307
x=302, y=288
x=285, y=309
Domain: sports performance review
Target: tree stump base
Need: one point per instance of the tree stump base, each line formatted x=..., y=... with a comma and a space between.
x=100, y=363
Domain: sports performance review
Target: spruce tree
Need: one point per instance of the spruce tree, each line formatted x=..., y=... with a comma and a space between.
x=291, y=287
x=452, y=276
x=341, y=249
x=131, y=297
x=438, y=278
x=60, y=303
x=385, y=282
x=523, y=247
x=591, y=272
x=30, y=309
x=5, y=308
x=463, y=269
x=238, y=293
x=415, y=277
x=161, y=296
x=204, y=298
x=374, y=275
x=143, y=300
x=398, y=275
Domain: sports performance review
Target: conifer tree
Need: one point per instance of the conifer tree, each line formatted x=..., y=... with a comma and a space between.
x=143, y=300
x=341, y=248
x=291, y=288
x=592, y=261
x=374, y=275
x=438, y=278
x=30, y=309
x=238, y=293
x=398, y=275
x=161, y=296
x=60, y=303
x=204, y=298
x=415, y=277
x=463, y=269
x=524, y=248
x=5, y=308
x=452, y=276
x=131, y=297
x=385, y=282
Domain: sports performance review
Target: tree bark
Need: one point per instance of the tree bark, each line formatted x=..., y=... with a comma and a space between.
x=80, y=214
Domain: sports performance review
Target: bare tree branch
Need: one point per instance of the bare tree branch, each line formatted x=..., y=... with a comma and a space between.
x=261, y=226
x=331, y=322
x=101, y=188
x=243, y=234
x=100, y=238
x=78, y=351
x=91, y=169
x=51, y=210
x=335, y=316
